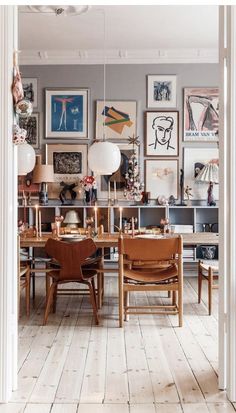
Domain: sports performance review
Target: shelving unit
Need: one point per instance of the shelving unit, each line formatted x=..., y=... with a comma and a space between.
x=199, y=217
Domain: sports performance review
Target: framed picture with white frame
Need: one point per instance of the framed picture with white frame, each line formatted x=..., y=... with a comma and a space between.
x=161, y=91
x=162, y=177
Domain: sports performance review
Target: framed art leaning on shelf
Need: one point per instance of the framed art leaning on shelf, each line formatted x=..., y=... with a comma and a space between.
x=69, y=165
x=162, y=177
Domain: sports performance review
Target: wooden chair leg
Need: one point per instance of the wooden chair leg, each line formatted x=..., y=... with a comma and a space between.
x=92, y=291
x=121, y=302
x=210, y=284
x=169, y=294
x=27, y=292
x=180, y=305
x=199, y=283
x=48, y=282
x=99, y=289
x=126, y=303
x=49, y=302
x=173, y=297
x=55, y=299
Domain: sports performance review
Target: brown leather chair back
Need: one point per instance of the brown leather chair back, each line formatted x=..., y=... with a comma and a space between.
x=147, y=249
x=70, y=255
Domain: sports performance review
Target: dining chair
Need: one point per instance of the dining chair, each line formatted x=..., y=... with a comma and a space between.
x=23, y=279
x=71, y=257
x=207, y=270
x=150, y=265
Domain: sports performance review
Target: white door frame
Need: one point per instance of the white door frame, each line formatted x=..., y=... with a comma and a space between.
x=227, y=137
x=8, y=208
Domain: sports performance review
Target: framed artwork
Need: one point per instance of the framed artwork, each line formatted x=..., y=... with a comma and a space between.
x=67, y=113
x=162, y=177
x=162, y=133
x=117, y=119
x=194, y=160
x=31, y=124
x=201, y=114
x=30, y=87
x=69, y=165
x=126, y=151
x=161, y=91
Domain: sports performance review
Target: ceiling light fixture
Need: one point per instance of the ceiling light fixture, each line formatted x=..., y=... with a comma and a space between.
x=104, y=157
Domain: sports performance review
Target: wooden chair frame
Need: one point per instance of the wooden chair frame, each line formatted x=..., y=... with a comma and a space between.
x=207, y=272
x=151, y=261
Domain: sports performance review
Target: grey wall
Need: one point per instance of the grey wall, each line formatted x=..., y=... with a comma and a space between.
x=123, y=82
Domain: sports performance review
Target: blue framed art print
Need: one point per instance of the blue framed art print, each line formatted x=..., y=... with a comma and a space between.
x=66, y=113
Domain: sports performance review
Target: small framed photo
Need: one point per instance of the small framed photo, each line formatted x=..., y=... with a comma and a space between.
x=67, y=113
x=117, y=120
x=126, y=151
x=162, y=133
x=201, y=114
x=161, y=91
x=30, y=87
x=31, y=124
x=69, y=165
x=162, y=177
x=194, y=160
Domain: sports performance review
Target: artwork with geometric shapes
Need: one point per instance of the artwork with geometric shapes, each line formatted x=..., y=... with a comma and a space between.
x=162, y=133
x=117, y=119
x=67, y=113
x=194, y=161
x=201, y=114
x=161, y=178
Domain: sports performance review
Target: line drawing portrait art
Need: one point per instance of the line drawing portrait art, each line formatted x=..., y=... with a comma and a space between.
x=161, y=134
x=117, y=119
x=67, y=113
x=201, y=114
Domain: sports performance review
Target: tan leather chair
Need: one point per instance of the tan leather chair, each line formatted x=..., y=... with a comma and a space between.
x=207, y=270
x=71, y=258
x=150, y=265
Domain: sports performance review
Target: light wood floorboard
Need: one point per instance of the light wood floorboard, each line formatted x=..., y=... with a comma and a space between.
x=151, y=365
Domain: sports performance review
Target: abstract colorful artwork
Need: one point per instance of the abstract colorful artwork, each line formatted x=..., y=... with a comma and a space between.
x=162, y=133
x=161, y=178
x=161, y=91
x=194, y=160
x=67, y=113
x=201, y=114
x=69, y=165
x=115, y=120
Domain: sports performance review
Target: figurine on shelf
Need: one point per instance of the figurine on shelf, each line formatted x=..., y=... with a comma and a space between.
x=187, y=192
x=67, y=188
x=210, y=196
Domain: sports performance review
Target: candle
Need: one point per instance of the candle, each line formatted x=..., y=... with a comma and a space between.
x=40, y=224
x=120, y=218
x=132, y=226
x=114, y=190
x=36, y=220
x=109, y=191
x=96, y=218
x=167, y=210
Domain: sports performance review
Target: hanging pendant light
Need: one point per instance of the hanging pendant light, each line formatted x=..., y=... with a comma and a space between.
x=104, y=157
x=26, y=158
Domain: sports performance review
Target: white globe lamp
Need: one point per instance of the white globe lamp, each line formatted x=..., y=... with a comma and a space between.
x=104, y=158
x=26, y=158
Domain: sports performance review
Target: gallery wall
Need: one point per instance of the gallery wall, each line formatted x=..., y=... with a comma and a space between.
x=123, y=82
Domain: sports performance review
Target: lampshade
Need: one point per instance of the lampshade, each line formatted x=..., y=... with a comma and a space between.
x=43, y=173
x=104, y=158
x=26, y=158
x=72, y=217
x=209, y=173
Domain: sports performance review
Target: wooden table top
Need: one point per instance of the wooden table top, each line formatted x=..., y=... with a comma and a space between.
x=111, y=240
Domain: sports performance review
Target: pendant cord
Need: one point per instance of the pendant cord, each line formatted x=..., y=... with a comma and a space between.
x=104, y=73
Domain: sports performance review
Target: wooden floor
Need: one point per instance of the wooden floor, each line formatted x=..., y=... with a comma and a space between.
x=72, y=366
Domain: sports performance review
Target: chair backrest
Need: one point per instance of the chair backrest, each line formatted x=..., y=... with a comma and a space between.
x=70, y=255
x=147, y=249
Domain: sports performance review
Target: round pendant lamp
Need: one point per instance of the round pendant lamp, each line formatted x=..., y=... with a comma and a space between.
x=26, y=158
x=104, y=157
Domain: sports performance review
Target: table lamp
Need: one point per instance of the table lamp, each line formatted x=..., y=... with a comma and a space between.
x=43, y=174
x=72, y=219
x=210, y=174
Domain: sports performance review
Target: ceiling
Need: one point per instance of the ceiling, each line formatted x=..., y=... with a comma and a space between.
x=131, y=32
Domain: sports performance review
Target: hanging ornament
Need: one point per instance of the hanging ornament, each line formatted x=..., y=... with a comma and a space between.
x=133, y=187
x=17, y=87
x=19, y=135
x=24, y=108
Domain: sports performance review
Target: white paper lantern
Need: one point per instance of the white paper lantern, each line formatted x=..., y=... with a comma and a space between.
x=26, y=158
x=104, y=158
